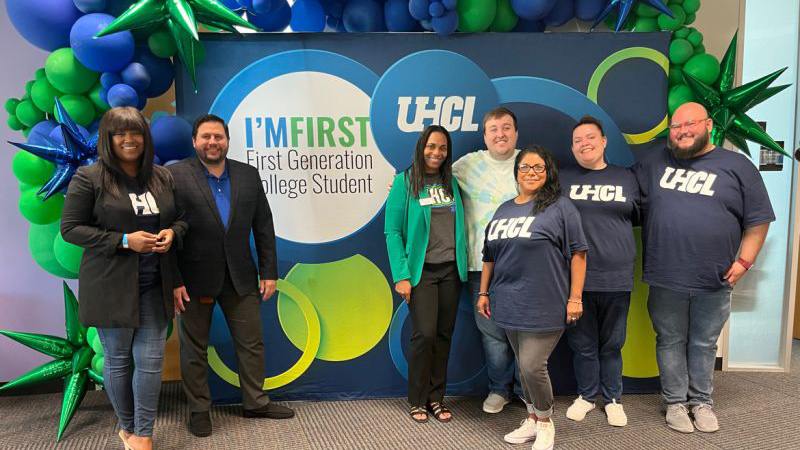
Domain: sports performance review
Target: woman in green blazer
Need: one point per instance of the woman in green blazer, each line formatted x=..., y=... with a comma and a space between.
x=427, y=248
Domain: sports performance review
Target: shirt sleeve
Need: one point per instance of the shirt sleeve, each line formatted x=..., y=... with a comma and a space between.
x=636, y=198
x=488, y=253
x=574, y=240
x=757, y=206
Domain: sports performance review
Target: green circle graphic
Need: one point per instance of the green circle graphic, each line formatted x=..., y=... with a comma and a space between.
x=639, y=351
x=353, y=301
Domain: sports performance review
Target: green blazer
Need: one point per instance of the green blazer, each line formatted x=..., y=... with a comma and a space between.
x=407, y=229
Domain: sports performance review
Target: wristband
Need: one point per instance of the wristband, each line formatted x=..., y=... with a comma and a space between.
x=483, y=294
x=746, y=264
x=125, y=241
x=576, y=301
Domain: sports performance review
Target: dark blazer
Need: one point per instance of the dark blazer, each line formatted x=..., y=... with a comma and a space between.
x=208, y=248
x=108, y=289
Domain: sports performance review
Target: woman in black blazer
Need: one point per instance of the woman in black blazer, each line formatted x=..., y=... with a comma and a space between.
x=121, y=210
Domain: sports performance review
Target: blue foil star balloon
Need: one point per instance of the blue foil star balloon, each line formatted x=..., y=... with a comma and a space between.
x=74, y=152
x=625, y=7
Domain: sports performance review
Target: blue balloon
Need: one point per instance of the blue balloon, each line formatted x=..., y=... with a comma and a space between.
x=156, y=160
x=362, y=16
x=307, y=15
x=103, y=94
x=532, y=9
x=245, y=3
x=333, y=8
x=261, y=6
x=426, y=24
x=171, y=162
x=436, y=9
x=450, y=5
x=94, y=127
x=122, y=95
x=90, y=6
x=161, y=71
x=57, y=135
x=231, y=4
x=529, y=26
x=277, y=20
x=43, y=128
x=445, y=24
x=560, y=14
x=117, y=7
x=109, y=79
x=106, y=54
x=172, y=138
x=398, y=17
x=588, y=9
x=43, y=23
x=334, y=25
x=419, y=9
x=142, y=103
x=136, y=76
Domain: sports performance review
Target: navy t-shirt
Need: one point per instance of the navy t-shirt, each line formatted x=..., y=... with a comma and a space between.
x=531, y=255
x=695, y=211
x=608, y=200
x=147, y=219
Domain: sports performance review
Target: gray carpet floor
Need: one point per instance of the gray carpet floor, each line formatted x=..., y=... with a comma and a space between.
x=756, y=411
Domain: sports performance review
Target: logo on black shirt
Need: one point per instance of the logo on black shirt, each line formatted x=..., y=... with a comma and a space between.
x=691, y=181
x=144, y=204
x=597, y=193
x=510, y=228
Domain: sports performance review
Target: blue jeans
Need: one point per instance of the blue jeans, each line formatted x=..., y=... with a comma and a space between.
x=596, y=342
x=501, y=366
x=133, y=361
x=687, y=326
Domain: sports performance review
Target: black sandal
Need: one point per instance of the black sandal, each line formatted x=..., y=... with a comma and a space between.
x=419, y=410
x=438, y=410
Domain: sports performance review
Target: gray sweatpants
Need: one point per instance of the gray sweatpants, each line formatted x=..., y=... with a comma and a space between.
x=532, y=350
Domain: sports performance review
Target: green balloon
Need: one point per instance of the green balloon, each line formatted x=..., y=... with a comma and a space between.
x=505, y=19
x=690, y=18
x=700, y=49
x=98, y=362
x=82, y=359
x=68, y=255
x=94, y=97
x=80, y=108
x=14, y=123
x=74, y=390
x=644, y=10
x=667, y=23
x=675, y=75
x=695, y=38
x=40, y=74
x=11, y=105
x=91, y=333
x=28, y=86
x=26, y=132
x=48, y=371
x=680, y=50
x=40, y=243
x=76, y=331
x=645, y=24
x=691, y=6
x=704, y=67
x=679, y=95
x=675, y=2
x=67, y=74
x=161, y=44
x=476, y=15
x=681, y=32
x=96, y=344
x=40, y=212
x=44, y=95
x=28, y=114
x=96, y=377
x=49, y=345
x=30, y=169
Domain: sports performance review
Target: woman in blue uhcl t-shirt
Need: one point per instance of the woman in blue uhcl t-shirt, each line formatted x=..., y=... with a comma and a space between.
x=427, y=248
x=607, y=197
x=534, y=265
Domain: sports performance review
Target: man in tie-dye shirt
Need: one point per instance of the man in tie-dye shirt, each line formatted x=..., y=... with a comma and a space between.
x=486, y=178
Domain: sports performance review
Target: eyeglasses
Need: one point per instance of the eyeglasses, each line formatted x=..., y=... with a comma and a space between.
x=687, y=124
x=525, y=168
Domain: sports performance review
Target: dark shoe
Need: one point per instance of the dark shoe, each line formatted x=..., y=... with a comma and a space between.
x=200, y=424
x=438, y=410
x=270, y=411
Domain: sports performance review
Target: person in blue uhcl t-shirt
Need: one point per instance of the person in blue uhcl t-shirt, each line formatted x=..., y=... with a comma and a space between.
x=607, y=198
x=702, y=204
x=533, y=271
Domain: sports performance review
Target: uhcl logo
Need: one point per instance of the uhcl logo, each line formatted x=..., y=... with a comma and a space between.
x=453, y=113
x=691, y=181
x=596, y=193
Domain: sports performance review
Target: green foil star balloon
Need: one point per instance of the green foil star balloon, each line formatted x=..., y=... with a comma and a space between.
x=74, y=356
x=180, y=17
x=727, y=106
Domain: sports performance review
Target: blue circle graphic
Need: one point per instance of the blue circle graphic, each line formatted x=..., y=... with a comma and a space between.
x=424, y=88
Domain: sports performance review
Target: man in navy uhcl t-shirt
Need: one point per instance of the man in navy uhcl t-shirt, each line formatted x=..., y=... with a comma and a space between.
x=702, y=204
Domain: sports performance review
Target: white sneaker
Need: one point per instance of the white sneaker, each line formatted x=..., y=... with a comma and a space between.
x=494, y=403
x=545, y=436
x=616, y=414
x=525, y=433
x=577, y=411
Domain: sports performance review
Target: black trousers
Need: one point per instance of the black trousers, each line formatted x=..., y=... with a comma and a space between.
x=433, y=308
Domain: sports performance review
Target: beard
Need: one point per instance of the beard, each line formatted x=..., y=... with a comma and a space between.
x=700, y=142
x=202, y=154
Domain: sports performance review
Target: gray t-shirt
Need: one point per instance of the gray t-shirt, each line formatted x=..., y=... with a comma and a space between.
x=441, y=239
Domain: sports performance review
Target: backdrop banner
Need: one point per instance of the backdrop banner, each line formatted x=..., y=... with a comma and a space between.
x=329, y=119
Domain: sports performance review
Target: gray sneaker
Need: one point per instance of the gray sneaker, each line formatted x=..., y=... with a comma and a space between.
x=678, y=418
x=704, y=418
x=494, y=403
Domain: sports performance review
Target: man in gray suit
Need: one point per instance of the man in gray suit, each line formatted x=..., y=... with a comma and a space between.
x=223, y=201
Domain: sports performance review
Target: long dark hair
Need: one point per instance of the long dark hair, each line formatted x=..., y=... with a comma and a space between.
x=415, y=175
x=126, y=118
x=549, y=193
